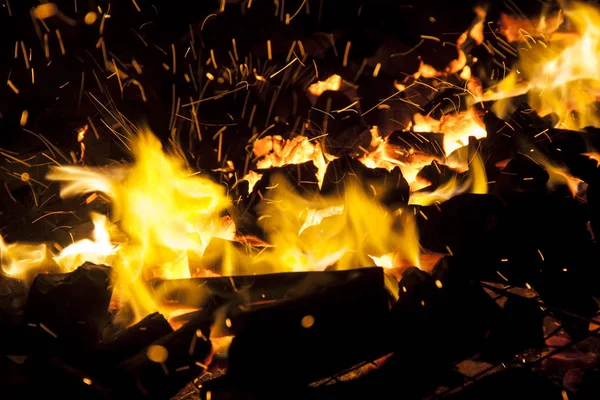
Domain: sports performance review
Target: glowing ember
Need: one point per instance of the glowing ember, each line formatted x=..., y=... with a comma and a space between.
x=456, y=128
x=275, y=151
x=334, y=82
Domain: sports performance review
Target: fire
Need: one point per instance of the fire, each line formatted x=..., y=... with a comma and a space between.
x=476, y=183
x=456, y=127
x=475, y=32
x=558, y=175
x=318, y=233
x=162, y=212
x=99, y=250
x=275, y=151
x=516, y=29
x=334, y=82
x=384, y=155
x=20, y=259
x=561, y=76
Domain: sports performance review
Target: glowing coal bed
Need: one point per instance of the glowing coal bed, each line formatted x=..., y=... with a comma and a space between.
x=245, y=199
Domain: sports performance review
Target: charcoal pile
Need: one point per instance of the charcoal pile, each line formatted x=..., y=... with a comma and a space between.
x=250, y=199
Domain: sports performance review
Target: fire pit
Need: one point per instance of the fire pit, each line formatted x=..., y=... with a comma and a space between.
x=300, y=199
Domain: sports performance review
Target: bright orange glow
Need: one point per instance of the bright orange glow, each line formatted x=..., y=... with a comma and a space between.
x=560, y=76
x=387, y=156
x=520, y=29
x=456, y=127
x=275, y=151
x=334, y=82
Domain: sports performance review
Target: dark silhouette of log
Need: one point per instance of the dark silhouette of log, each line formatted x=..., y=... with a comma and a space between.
x=70, y=308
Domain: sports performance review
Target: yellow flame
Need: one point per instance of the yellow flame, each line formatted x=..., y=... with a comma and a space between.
x=561, y=76
x=20, y=259
x=558, y=175
x=163, y=211
x=475, y=183
x=347, y=233
x=100, y=250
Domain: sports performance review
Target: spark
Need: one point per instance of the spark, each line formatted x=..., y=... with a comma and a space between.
x=383, y=101
x=45, y=201
x=346, y=53
x=269, y=51
x=430, y=38
x=297, y=11
x=24, y=51
x=251, y=116
x=24, y=117
x=15, y=159
x=278, y=72
x=44, y=327
x=206, y=19
x=60, y=42
x=174, y=58
x=135, y=4
x=502, y=276
x=12, y=86
x=376, y=70
x=301, y=47
x=212, y=58
x=118, y=76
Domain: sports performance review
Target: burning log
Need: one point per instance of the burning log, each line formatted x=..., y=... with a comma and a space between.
x=168, y=364
x=346, y=130
x=446, y=298
x=208, y=292
x=347, y=170
x=106, y=356
x=71, y=307
x=311, y=337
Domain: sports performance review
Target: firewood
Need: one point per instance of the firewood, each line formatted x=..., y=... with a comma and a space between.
x=168, y=364
x=70, y=308
x=311, y=337
x=204, y=292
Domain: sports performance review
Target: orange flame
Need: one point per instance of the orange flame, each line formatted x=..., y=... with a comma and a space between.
x=561, y=76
